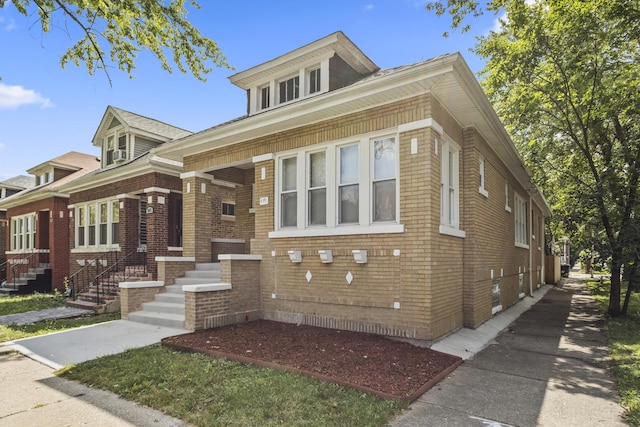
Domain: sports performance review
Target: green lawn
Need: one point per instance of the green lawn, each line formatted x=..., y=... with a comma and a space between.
x=623, y=335
x=13, y=332
x=208, y=391
x=22, y=303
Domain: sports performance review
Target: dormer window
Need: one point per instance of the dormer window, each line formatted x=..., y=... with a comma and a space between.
x=44, y=178
x=265, y=97
x=115, y=148
x=314, y=80
x=289, y=89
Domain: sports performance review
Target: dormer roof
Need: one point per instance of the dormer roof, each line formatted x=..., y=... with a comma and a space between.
x=135, y=123
x=20, y=182
x=326, y=47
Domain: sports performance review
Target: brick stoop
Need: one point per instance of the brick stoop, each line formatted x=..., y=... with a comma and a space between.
x=167, y=308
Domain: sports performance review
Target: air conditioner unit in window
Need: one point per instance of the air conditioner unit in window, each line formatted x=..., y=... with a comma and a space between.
x=119, y=156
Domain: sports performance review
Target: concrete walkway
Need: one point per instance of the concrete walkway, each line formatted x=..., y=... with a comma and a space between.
x=544, y=369
x=30, y=317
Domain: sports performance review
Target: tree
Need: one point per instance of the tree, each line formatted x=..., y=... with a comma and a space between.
x=564, y=76
x=128, y=27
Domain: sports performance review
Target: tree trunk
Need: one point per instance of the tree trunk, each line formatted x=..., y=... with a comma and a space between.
x=630, y=286
x=614, y=291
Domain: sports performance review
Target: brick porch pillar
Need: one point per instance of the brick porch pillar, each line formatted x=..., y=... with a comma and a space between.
x=157, y=223
x=129, y=225
x=197, y=228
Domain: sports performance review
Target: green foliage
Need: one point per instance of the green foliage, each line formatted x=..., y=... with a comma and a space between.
x=127, y=28
x=23, y=303
x=14, y=332
x=207, y=391
x=623, y=335
x=564, y=76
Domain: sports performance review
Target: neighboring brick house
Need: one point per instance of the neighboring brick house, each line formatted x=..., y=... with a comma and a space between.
x=388, y=201
x=8, y=188
x=37, y=218
x=132, y=204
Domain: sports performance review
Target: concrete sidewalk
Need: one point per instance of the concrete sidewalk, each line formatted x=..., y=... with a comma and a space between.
x=544, y=369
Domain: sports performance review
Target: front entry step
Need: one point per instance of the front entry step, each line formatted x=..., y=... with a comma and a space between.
x=167, y=309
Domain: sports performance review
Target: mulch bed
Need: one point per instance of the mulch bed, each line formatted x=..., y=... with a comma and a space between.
x=391, y=369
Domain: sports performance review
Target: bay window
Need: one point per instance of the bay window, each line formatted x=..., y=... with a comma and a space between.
x=23, y=232
x=342, y=187
x=97, y=224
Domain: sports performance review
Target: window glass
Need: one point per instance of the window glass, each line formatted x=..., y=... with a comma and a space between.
x=314, y=81
x=81, y=224
x=289, y=195
x=317, y=188
x=264, y=97
x=289, y=89
x=115, y=222
x=348, y=189
x=104, y=218
x=92, y=225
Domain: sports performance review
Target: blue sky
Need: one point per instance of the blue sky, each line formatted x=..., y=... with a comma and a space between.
x=46, y=111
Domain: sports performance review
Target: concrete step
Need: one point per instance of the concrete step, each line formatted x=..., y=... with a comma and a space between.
x=174, y=289
x=163, y=307
x=197, y=281
x=88, y=305
x=209, y=266
x=168, y=297
x=202, y=274
x=156, y=318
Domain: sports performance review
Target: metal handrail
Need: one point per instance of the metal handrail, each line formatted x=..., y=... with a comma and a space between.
x=3, y=271
x=94, y=273
x=33, y=259
x=133, y=263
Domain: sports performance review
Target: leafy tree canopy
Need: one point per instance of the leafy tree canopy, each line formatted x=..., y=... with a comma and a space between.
x=564, y=76
x=115, y=31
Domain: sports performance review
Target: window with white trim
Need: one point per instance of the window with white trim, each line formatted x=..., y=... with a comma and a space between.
x=339, y=187
x=23, y=232
x=314, y=81
x=44, y=178
x=507, y=204
x=521, y=216
x=264, y=100
x=115, y=148
x=228, y=209
x=450, y=190
x=289, y=89
x=481, y=184
x=97, y=224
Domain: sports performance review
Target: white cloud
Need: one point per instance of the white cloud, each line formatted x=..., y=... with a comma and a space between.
x=7, y=24
x=17, y=96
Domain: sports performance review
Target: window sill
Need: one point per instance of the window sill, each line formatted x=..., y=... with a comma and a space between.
x=484, y=192
x=338, y=231
x=521, y=245
x=507, y=208
x=496, y=309
x=450, y=231
x=94, y=249
x=228, y=218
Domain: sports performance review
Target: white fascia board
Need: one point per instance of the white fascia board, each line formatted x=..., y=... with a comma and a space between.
x=229, y=134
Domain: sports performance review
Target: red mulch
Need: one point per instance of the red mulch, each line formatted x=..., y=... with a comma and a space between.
x=389, y=368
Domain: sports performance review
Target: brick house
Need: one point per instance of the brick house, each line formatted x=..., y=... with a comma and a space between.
x=8, y=188
x=387, y=201
x=132, y=204
x=37, y=236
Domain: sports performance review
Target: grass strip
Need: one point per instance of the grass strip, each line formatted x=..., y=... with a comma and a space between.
x=21, y=303
x=623, y=336
x=207, y=391
x=14, y=332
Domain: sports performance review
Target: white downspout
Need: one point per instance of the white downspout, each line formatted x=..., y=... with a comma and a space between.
x=530, y=221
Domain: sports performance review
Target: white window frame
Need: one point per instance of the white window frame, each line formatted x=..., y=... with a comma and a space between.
x=507, y=205
x=482, y=189
x=226, y=215
x=450, y=188
x=365, y=223
x=115, y=133
x=277, y=100
x=521, y=218
x=260, y=97
x=82, y=210
x=309, y=90
x=23, y=232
